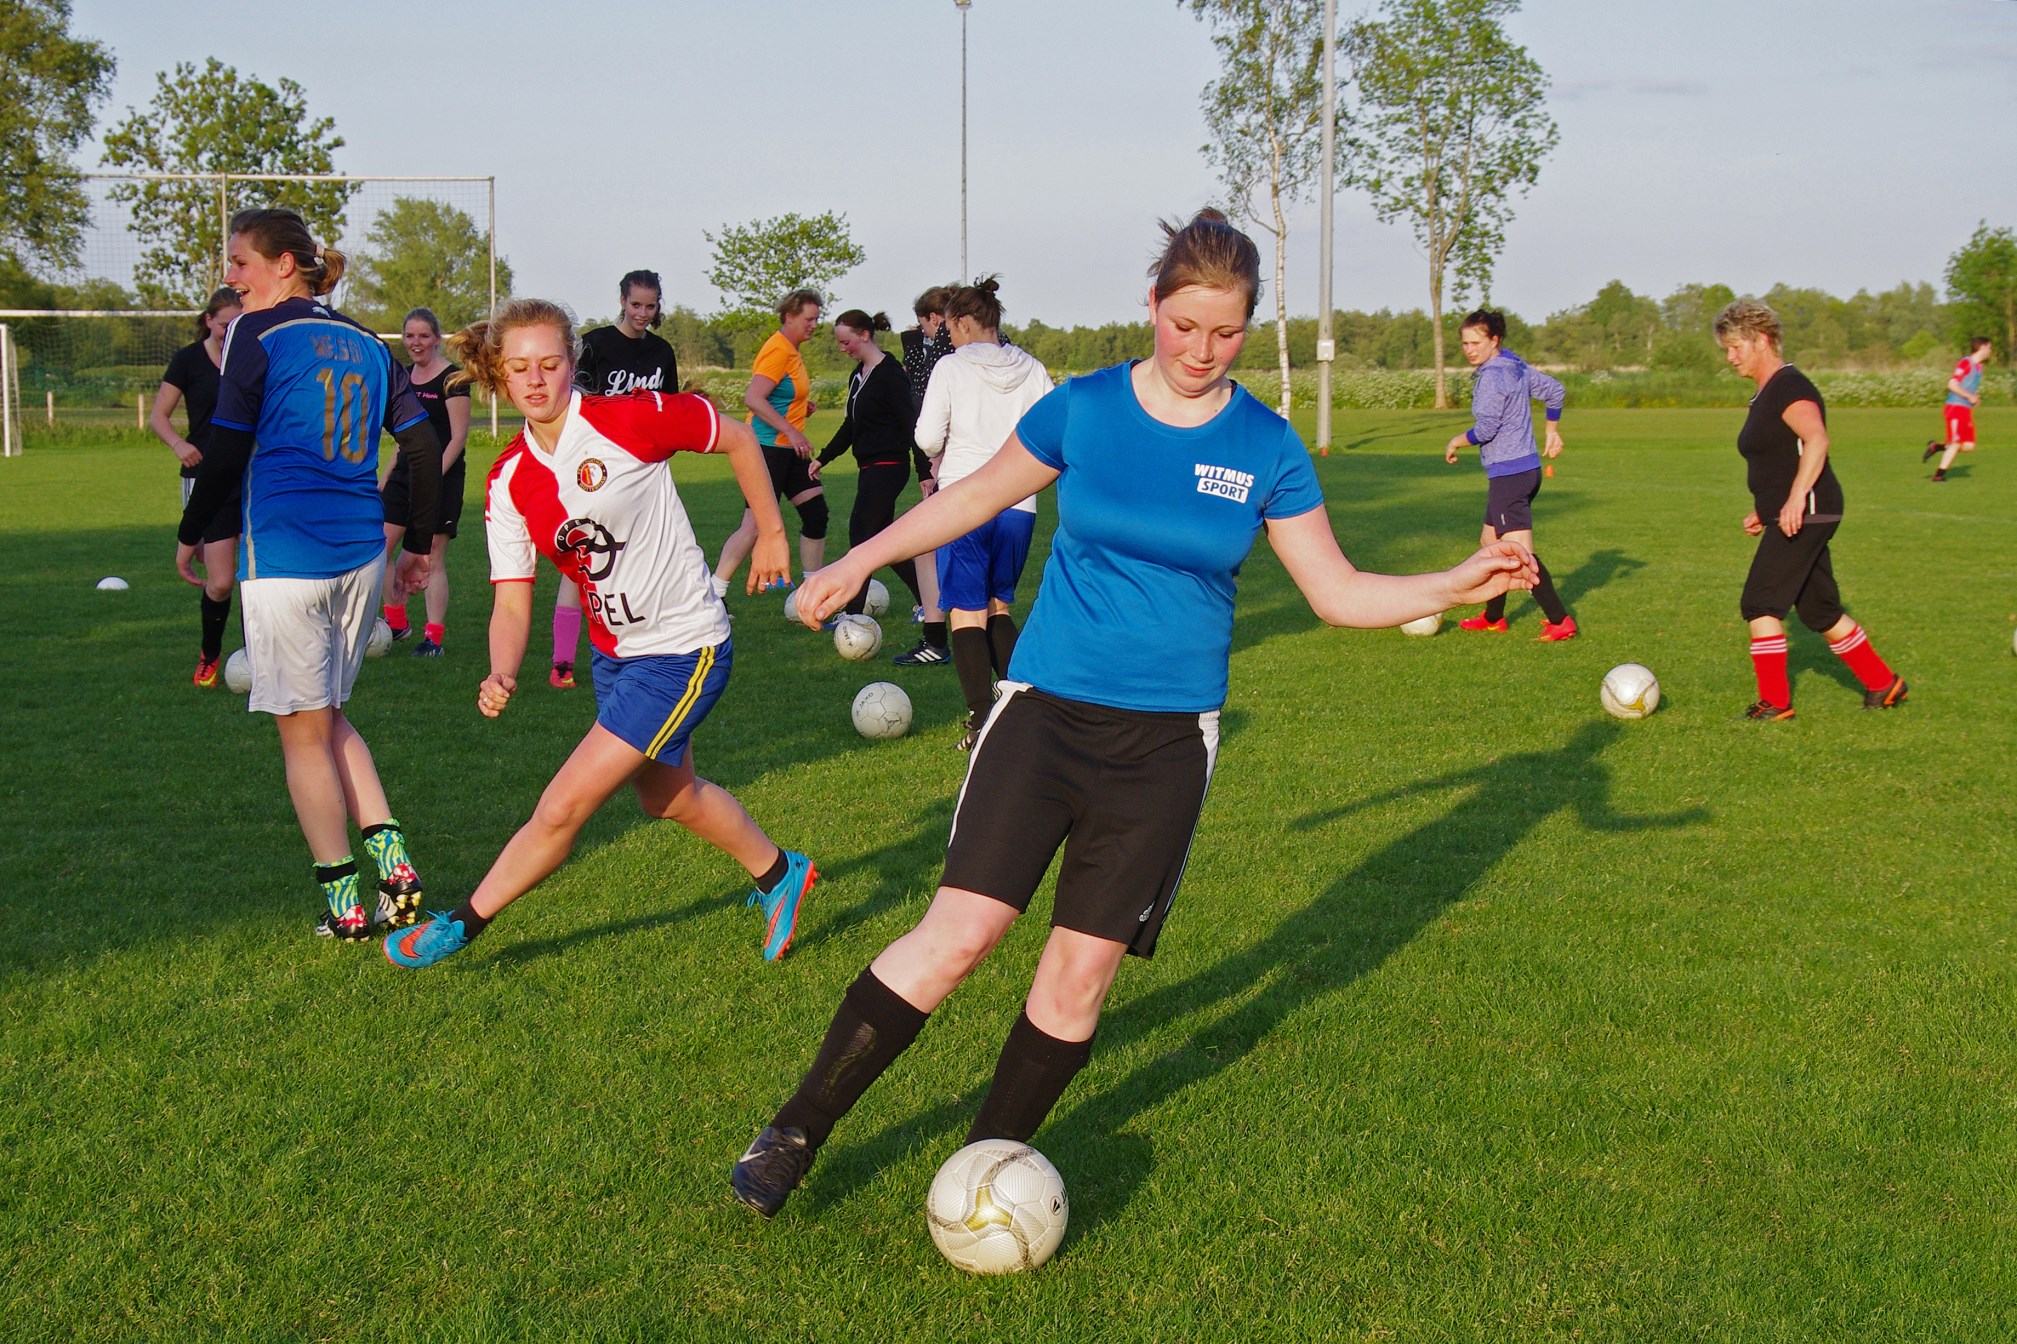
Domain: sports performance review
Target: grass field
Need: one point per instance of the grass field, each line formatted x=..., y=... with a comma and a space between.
x=1482, y=1016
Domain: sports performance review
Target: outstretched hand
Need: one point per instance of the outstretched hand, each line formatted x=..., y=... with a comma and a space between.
x=769, y=564
x=824, y=592
x=1495, y=569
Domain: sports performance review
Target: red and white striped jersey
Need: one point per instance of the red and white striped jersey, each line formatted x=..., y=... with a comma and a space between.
x=603, y=508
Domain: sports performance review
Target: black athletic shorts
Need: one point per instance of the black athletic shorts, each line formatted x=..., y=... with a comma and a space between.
x=790, y=474
x=1509, y=501
x=448, y=512
x=1119, y=789
x=225, y=523
x=1796, y=571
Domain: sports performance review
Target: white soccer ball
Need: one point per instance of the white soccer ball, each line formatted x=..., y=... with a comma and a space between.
x=881, y=709
x=112, y=584
x=791, y=606
x=238, y=672
x=857, y=637
x=878, y=598
x=381, y=639
x=997, y=1207
x=1423, y=625
x=1630, y=691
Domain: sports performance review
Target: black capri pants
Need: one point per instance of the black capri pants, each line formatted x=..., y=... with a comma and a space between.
x=1794, y=572
x=877, y=486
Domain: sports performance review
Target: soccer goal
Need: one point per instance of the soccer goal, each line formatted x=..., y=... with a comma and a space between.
x=93, y=349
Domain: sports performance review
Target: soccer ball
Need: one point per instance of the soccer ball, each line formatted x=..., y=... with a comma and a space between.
x=238, y=672
x=381, y=639
x=997, y=1207
x=857, y=637
x=1630, y=691
x=881, y=709
x=878, y=598
x=791, y=606
x=1425, y=625
x=112, y=584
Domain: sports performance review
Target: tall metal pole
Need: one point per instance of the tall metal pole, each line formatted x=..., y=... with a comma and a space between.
x=490, y=227
x=1327, y=348
x=964, y=5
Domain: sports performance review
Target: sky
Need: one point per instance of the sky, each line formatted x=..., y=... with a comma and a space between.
x=1840, y=144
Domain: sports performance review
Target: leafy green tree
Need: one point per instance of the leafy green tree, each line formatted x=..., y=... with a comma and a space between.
x=1453, y=123
x=421, y=253
x=213, y=121
x=1688, y=318
x=1982, y=288
x=49, y=83
x=758, y=263
x=1265, y=113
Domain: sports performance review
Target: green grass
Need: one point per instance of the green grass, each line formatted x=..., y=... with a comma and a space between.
x=1481, y=1016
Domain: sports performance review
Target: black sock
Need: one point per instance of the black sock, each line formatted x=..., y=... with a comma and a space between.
x=934, y=634
x=774, y=874
x=858, y=604
x=215, y=614
x=1001, y=641
x=1495, y=610
x=971, y=659
x=472, y=923
x=1545, y=594
x=1034, y=1069
x=907, y=571
x=871, y=1028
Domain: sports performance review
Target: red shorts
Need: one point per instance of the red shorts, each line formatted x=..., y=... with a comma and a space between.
x=1960, y=423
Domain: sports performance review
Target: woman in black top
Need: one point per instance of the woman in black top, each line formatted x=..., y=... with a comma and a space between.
x=924, y=345
x=1798, y=507
x=880, y=419
x=447, y=407
x=615, y=361
x=191, y=379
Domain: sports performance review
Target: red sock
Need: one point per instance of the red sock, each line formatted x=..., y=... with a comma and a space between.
x=434, y=631
x=395, y=616
x=1768, y=659
x=566, y=633
x=1854, y=649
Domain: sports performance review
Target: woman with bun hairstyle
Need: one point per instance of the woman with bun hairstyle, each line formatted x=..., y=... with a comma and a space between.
x=1104, y=737
x=302, y=398
x=191, y=380
x=446, y=401
x=880, y=420
x=971, y=407
x=585, y=485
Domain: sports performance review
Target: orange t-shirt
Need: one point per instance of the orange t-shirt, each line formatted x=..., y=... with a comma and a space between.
x=780, y=362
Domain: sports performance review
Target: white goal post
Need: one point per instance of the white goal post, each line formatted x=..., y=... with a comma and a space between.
x=90, y=359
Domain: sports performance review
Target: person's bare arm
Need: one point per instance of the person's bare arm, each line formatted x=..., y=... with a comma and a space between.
x=1341, y=594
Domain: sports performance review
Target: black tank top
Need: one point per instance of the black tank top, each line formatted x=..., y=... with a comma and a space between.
x=1772, y=450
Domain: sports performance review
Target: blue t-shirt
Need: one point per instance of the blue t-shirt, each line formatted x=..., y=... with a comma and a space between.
x=314, y=388
x=1135, y=610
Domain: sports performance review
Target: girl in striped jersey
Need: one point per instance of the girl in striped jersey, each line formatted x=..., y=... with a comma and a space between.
x=1798, y=507
x=585, y=485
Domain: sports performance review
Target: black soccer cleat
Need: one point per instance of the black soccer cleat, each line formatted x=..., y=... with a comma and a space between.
x=771, y=1168
x=1890, y=697
x=426, y=648
x=1767, y=712
x=352, y=926
x=1932, y=446
x=926, y=654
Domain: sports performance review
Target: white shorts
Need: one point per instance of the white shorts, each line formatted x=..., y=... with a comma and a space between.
x=306, y=637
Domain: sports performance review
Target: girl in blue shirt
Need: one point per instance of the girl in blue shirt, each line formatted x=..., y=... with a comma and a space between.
x=1104, y=736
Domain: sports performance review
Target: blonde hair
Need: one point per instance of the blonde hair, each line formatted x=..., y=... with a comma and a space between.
x=1747, y=318
x=1208, y=252
x=480, y=345
x=278, y=232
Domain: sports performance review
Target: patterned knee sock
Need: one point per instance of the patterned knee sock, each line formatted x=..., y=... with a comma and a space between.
x=386, y=844
x=1854, y=649
x=339, y=885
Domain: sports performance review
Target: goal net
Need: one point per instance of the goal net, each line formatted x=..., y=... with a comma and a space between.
x=87, y=345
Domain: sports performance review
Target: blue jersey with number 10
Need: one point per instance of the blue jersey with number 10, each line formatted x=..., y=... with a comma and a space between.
x=314, y=388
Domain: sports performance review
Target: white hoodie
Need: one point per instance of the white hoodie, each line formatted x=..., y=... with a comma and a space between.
x=971, y=406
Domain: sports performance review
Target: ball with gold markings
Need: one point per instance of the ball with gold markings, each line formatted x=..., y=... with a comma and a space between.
x=997, y=1207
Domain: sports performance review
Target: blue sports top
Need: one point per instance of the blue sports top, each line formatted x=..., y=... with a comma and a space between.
x=1135, y=610
x=314, y=388
x=1969, y=374
x=1502, y=395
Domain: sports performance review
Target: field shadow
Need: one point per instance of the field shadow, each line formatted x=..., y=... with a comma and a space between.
x=524, y=953
x=1599, y=570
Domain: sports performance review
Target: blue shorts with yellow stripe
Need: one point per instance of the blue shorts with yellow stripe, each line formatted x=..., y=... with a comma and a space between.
x=655, y=702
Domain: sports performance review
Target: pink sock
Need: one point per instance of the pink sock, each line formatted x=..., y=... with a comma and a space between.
x=435, y=632
x=566, y=633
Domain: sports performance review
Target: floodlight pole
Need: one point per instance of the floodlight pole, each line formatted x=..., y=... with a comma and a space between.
x=1327, y=349
x=964, y=5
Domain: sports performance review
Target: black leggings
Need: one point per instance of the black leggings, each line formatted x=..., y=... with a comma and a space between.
x=875, y=492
